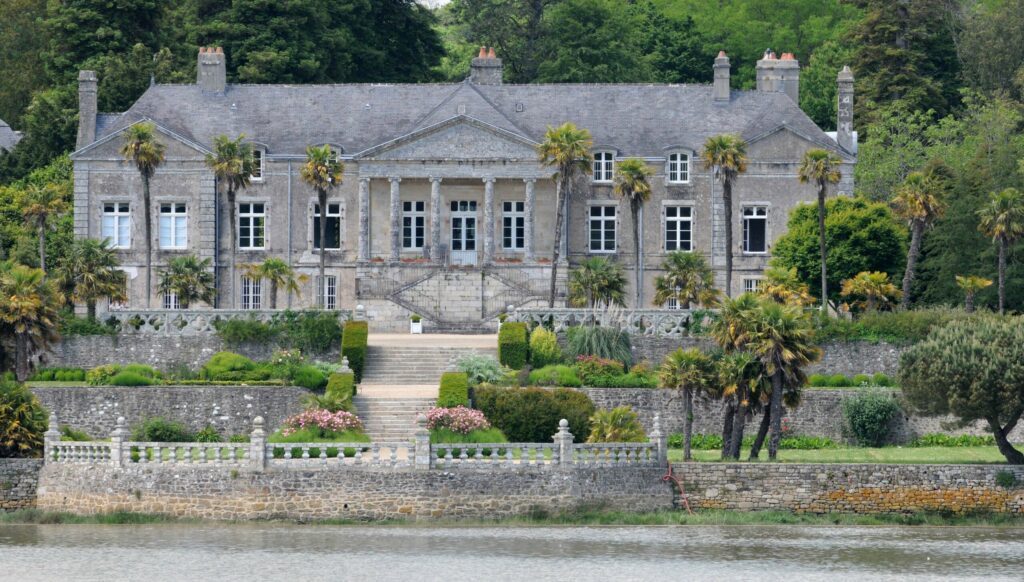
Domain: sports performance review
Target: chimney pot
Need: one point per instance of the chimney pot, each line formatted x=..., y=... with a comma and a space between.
x=483, y=53
x=721, y=54
x=490, y=53
x=211, y=70
x=720, y=90
x=220, y=50
x=486, y=69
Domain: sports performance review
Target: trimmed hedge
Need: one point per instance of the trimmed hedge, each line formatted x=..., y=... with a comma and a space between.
x=340, y=388
x=454, y=390
x=353, y=346
x=531, y=414
x=513, y=345
x=58, y=375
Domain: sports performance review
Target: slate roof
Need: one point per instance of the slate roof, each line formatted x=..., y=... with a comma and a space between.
x=8, y=137
x=636, y=120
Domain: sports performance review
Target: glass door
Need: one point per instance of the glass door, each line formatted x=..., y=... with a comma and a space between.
x=463, y=243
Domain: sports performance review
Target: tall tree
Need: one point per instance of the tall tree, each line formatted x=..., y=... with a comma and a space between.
x=513, y=27
x=1002, y=220
x=232, y=164
x=323, y=172
x=919, y=202
x=688, y=279
x=29, y=309
x=21, y=40
x=690, y=371
x=592, y=41
x=632, y=184
x=142, y=148
x=740, y=374
x=41, y=205
x=821, y=168
x=190, y=279
x=91, y=273
x=726, y=155
x=279, y=274
x=567, y=149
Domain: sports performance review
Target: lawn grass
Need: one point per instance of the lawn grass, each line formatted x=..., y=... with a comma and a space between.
x=913, y=455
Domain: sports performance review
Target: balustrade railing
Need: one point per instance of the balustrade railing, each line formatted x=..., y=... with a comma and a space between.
x=649, y=322
x=191, y=321
x=327, y=455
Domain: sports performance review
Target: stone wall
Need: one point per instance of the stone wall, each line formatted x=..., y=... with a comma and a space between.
x=352, y=493
x=18, y=479
x=231, y=409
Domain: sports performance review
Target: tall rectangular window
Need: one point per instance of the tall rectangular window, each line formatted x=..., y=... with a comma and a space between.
x=755, y=229
x=602, y=229
x=678, y=168
x=116, y=224
x=329, y=291
x=414, y=219
x=513, y=225
x=257, y=165
x=251, y=296
x=333, y=226
x=604, y=166
x=171, y=301
x=173, y=226
x=252, y=220
x=678, y=228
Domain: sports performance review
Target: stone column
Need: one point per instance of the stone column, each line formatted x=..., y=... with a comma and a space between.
x=396, y=220
x=435, y=219
x=661, y=440
x=528, y=220
x=116, y=440
x=364, y=220
x=563, y=443
x=488, y=221
x=258, y=446
x=421, y=448
x=50, y=439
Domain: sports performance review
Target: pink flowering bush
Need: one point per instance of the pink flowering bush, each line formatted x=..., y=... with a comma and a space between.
x=459, y=419
x=321, y=421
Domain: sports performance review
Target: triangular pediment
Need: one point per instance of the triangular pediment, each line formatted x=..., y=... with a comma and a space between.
x=785, y=138
x=459, y=138
x=109, y=146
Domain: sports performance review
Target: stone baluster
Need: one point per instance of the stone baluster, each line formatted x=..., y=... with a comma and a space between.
x=258, y=446
x=396, y=220
x=51, y=440
x=488, y=221
x=117, y=443
x=563, y=443
x=660, y=441
x=435, y=219
x=509, y=457
x=530, y=201
x=364, y=220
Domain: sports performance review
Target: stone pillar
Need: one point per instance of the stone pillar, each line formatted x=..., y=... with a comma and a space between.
x=488, y=221
x=396, y=220
x=258, y=446
x=435, y=219
x=660, y=440
x=563, y=443
x=421, y=448
x=116, y=440
x=364, y=220
x=50, y=439
x=528, y=220
x=844, y=110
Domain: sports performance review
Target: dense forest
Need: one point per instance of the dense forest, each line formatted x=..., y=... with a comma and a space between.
x=940, y=83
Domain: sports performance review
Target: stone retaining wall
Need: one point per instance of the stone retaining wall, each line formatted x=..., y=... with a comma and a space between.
x=354, y=493
x=18, y=479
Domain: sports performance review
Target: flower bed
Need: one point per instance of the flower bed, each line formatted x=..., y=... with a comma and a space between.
x=458, y=419
x=324, y=422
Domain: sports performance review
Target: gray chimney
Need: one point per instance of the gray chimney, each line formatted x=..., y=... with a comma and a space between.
x=87, y=85
x=721, y=86
x=781, y=75
x=844, y=117
x=486, y=68
x=211, y=72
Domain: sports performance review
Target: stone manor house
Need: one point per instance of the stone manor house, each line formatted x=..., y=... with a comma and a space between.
x=444, y=209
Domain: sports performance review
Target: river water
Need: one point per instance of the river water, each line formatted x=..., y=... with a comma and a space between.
x=194, y=553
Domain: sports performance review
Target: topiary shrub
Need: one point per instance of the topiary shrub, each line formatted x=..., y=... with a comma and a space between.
x=862, y=380
x=454, y=390
x=544, y=348
x=603, y=342
x=868, y=417
x=309, y=377
x=126, y=378
x=555, y=375
x=222, y=363
x=883, y=380
x=161, y=430
x=101, y=375
x=354, y=337
x=819, y=380
x=839, y=381
x=513, y=347
x=341, y=387
x=532, y=414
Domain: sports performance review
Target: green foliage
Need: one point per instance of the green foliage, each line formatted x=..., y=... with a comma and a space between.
x=101, y=375
x=22, y=421
x=618, y=425
x=72, y=326
x=532, y=414
x=315, y=435
x=513, y=348
x=555, y=375
x=631, y=380
x=161, y=430
x=58, y=375
x=126, y=378
x=839, y=381
x=597, y=282
x=454, y=390
x=544, y=348
x=861, y=380
x=208, y=434
x=309, y=377
x=603, y=342
x=480, y=435
x=67, y=433
x=353, y=346
x=480, y=369
x=945, y=440
x=223, y=363
x=190, y=279
x=313, y=332
x=713, y=442
x=842, y=381
x=235, y=332
x=1006, y=479
x=588, y=367
x=341, y=387
x=868, y=417
x=898, y=327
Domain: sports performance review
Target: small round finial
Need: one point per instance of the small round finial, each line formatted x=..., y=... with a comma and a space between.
x=563, y=424
x=421, y=419
x=120, y=422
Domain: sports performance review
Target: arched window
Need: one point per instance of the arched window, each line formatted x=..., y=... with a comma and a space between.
x=604, y=166
x=678, y=168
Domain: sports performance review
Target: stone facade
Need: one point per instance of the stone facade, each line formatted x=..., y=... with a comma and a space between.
x=18, y=479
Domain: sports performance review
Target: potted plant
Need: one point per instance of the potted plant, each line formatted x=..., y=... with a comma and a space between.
x=415, y=324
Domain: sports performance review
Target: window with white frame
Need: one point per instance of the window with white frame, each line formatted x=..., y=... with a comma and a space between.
x=751, y=285
x=602, y=228
x=678, y=228
x=755, y=229
x=171, y=301
x=678, y=168
x=513, y=225
x=257, y=165
x=173, y=225
x=333, y=226
x=329, y=291
x=414, y=220
x=604, y=166
x=252, y=222
x=116, y=224
x=251, y=296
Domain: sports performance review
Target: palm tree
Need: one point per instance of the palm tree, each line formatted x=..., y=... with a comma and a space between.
x=147, y=153
x=232, y=164
x=783, y=285
x=739, y=374
x=874, y=289
x=29, y=308
x=970, y=285
x=618, y=425
x=632, y=184
x=323, y=171
x=1002, y=220
x=41, y=204
x=597, y=281
x=727, y=156
x=279, y=274
x=919, y=203
x=567, y=149
x=190, y=280
x=688, y=279
x=691, y=371
x=821, y=167
x=91, y=271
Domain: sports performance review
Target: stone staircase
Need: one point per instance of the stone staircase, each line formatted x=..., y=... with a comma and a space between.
x=391, y=419
x=417, y=365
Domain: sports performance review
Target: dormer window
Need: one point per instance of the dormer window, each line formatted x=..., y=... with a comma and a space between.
x=604, y=166
x=257, y=165
x=678, y=168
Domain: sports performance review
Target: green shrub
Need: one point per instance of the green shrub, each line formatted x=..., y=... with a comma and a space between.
x=480, y=435
x=713, y=442
x=454, y=390
x=161, y=430
x=222, y=363
x=58, y=375
x=131, y=379
x=68, y=433
x=618, y=425
x=945, y=440
x=603, y=342
x=868, y=416
x=555, y=375
x=532, y=414
x=589, y=367
x=209, y=434
x=235, y=332
x=71, y=325
x=839, y=381
x=309, y=377
x=624, y=381
x=43, y=375
x=890, y=326
x=513, y=347
x=818, y=380
x=230, y=383
x=544, y=348
x=238, y=438
x=101, y=375
x=1006, y=479
x=312, y=332
x=862, y=380
x=23, y=420
x=314, y=435
x=353, y=346
x=881, y=379
x=338, y=394
x=143, y=370
x=480, y=369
